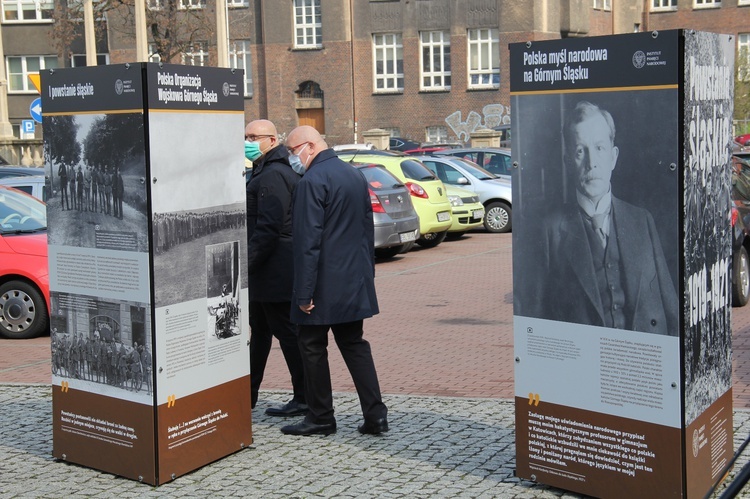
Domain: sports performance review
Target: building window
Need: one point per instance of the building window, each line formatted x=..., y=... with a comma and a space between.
x=388, y=61
x=192, y=4
x=435, y=60
x=307, y=32
x=484, y=58
x=657, y=5
x=743, y=2
x=436, y=134
x=743, y=56
x=79, y=60
x=19, y=68
x=197, y=55
x=153, y=53
x=154, y=4
x=603, y=4
x=27, y=11
x=233, y=4
x=703, y=4
x=239, y=58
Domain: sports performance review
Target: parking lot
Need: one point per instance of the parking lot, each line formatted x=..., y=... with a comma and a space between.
x=445, y=328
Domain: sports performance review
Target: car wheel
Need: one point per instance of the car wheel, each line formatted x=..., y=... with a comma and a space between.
x=389, y=252
x=406, y=247
x=432, y=239
x=453, y=236
x=23, y=312
x=497, y=217
x=740, y=278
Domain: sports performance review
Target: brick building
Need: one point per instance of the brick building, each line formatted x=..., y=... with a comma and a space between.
x=427, y=70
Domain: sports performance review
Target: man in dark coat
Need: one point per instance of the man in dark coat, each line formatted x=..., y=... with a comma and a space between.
x=334, y=281
x=269, y=248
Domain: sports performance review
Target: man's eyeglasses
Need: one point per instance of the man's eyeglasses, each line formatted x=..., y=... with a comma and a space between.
x=291, y=149
x=253, y=138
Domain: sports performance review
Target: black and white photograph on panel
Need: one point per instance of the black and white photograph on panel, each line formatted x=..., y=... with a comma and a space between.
x=197, y=198
x=96, y=168
x=102, y=346
x=597, y=207
x=222, y=291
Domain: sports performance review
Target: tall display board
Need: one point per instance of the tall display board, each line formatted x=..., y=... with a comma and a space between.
x=621, y=262
x=146, y=234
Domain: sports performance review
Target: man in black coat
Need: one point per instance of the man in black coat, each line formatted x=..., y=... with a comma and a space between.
x=269, y=248
x=334, y=281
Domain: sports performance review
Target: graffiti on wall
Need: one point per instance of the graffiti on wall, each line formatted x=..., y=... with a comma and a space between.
x=492, y=115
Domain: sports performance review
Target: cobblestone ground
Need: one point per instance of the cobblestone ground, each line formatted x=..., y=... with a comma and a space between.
x=437, y=447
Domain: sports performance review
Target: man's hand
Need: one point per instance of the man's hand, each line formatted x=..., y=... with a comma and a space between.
x=307, y=308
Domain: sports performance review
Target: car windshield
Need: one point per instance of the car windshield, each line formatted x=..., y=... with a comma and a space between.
x=476, y=170
x=379, y=178
x=415, y=170
x=20, y=213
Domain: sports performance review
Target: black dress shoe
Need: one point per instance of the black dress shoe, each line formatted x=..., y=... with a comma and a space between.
x=306, y=429
x=374, y=427
x=291, y=408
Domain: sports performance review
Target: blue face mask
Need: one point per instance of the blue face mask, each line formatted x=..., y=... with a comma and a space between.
x=296, y=162
x=252, y=150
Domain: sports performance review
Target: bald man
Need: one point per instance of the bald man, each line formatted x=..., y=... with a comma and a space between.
x=334, y=281
x=269, y=249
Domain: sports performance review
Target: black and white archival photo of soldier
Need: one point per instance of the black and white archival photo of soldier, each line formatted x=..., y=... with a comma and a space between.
x=96, y=170
x=222, y=293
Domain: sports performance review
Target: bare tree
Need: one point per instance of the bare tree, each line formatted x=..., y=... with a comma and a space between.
x=742, y=90
x=174, y=27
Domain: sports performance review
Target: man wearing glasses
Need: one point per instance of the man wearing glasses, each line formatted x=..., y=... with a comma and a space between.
x=334, y=281
x=269, y=249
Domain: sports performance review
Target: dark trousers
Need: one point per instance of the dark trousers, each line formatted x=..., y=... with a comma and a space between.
x=355, y=350
x=266, y=321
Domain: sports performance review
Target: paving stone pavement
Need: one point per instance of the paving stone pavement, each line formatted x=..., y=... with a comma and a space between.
x=437, y=447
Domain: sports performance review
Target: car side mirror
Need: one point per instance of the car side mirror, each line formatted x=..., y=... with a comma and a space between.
x=463, y=181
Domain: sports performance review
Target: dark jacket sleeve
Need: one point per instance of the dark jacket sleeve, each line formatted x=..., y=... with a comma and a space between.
x=274, y=199
x=309, y=218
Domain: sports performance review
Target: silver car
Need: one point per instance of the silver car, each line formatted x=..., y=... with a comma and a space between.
x=494, y=192
x=396, y=222
x=493, y=159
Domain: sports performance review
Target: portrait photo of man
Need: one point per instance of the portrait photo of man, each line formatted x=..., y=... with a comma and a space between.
x=598, y=259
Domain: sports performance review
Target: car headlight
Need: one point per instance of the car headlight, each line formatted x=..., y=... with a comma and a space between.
x=455, y=200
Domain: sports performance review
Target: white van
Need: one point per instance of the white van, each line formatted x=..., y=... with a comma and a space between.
x=30, y=184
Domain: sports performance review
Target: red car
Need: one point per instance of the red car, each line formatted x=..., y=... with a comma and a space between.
x=743, y=139
x=24, y=276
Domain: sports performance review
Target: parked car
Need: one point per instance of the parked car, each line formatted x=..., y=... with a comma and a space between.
x=19, y=171
x=466, y=211
x=354, y=147
x=741, y=237
x=24, y=277
x=504, y=134
x=494, y=192
x=493, y=159
x=34, y=185
x=396, y=221
x=743, y=139
x=427, y=193
x=401, y=144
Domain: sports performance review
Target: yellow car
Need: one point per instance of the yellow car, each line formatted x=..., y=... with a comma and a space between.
x=428, y=194
x=467, y=212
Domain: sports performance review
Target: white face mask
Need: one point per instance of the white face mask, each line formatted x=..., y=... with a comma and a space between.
x=297, y=164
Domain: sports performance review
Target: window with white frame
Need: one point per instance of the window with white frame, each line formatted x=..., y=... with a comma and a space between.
x=18, y=69
x=436, y=133
x=27, y=11
x=484, y=58
x=237, y=3
x=197, y=55
x=239, y=58
x=435, y=60
x=192, y=4
x=79, y=60
x=153, y=53
x=155, y=4
x=307, y=25
x=702, y=4
x=388, y=62
x=657, y=5
x=743, y=2
x=603, y=4
x=743, y=55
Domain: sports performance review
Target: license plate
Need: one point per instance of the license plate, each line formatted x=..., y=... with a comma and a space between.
x=478, y=214
x=444, y=216
x=408, y=236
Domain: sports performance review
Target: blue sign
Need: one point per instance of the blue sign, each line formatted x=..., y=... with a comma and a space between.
x=28, y=126
x=35, y=109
